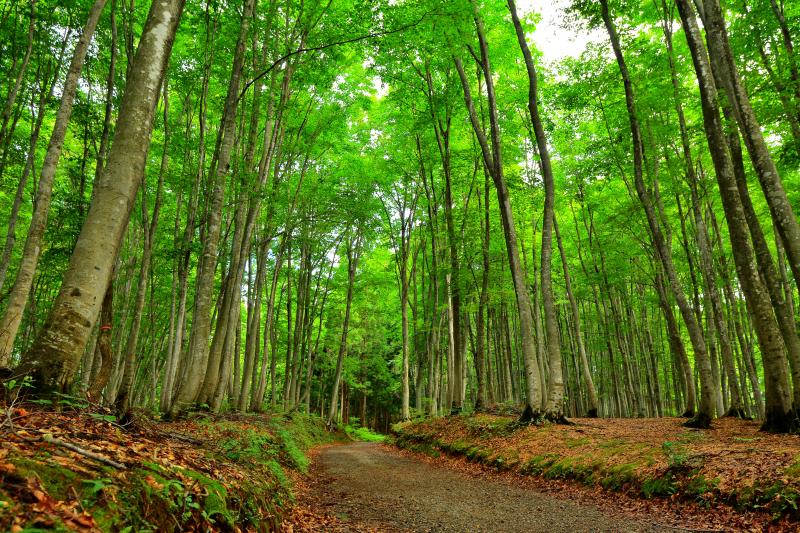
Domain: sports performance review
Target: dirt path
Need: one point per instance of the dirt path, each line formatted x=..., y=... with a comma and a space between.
x=369, y=485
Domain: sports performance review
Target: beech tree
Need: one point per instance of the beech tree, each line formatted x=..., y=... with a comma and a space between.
x=57, y=350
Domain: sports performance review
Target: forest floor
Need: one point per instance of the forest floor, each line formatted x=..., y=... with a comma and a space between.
x=730, y=477
x=73, y=467
x=77, y=469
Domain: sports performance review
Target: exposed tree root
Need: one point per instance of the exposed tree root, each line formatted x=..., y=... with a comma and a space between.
x=530, y=417
x=737, y=412
x=557, y=417
x=699, y=421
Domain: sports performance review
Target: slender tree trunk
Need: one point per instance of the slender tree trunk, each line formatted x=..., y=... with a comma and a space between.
x=253, y=329
x=48, y=84
x=405, y=411
x=268, y=327
x=201, y=322
x=482, y=342
x=594, y=404
x=494, y=163
x=149, y=231
x=353, y=250
x=706, y=409
x=555, y=393
x=14, y=91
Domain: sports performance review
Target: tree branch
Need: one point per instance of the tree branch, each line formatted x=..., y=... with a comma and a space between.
x=301, y=50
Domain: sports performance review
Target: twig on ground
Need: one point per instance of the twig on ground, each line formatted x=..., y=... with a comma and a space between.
x=86, y=453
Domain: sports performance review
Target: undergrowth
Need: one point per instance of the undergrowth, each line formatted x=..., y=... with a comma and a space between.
x=237, y=478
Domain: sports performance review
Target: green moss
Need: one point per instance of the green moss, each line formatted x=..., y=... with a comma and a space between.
x=278, y=473
x=794, y=469
x=215, y=504
x=504, y=462
x=458, y=447
x=700, y=487
x=612, y=443
x=539, y=464
x=486, y=427
x=577, y=442
x=477, y=454
x=414, y=444
x=292, y=455
x=57, y=480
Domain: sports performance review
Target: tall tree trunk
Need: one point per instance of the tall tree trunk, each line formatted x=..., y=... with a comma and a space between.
x=405, y=411
x=482, y=341
x=122, y=402
x=201, y=322
x=178, y=365
x=268, y=327
x=706, y=408
x=594, y=404
x=13, y=217
x=726, y=80
x=58, y=348
x=12, y=317
x=493, y=161
x=722, y=61
x=253, y=328
x=555, y=392
x=779, y=415
x=353, y=250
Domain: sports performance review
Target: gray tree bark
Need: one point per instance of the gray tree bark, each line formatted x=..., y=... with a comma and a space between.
x=493, y=161
x=554, y=409
x=779, y=415
x=57, y=350
x=12, y=317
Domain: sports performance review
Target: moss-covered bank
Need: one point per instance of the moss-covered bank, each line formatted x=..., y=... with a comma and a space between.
x=732, y=464
x=227, y=473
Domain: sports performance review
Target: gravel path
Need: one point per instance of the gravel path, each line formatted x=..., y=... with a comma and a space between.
x=366, y=484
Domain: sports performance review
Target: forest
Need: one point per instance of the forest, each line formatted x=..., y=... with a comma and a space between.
x=376, y=211
x=354, y=209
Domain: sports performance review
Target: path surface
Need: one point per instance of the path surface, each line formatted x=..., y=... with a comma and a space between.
x=367, y=484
